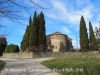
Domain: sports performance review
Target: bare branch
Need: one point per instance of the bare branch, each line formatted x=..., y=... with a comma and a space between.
x=13, y=10
x=36, y=4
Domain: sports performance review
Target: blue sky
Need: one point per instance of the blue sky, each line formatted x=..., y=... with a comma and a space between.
x=62, y=15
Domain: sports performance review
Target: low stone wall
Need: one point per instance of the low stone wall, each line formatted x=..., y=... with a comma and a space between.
x=18, y=55
x=45, y=54
x=61, y=54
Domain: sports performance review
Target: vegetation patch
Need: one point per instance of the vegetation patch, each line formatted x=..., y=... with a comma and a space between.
x=12, y=48
x=75, y=65
x=2, y=64
x=26, y=50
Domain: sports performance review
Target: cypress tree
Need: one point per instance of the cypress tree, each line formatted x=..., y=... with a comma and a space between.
x=93, y=43
x=84, y=43
x=97, y=31
x=24, y=42
x=28, y=31
x=42, y=34
x=30, y=21
x=34, y=32
x=27, y=36
x=38, y=21
x=35, y=35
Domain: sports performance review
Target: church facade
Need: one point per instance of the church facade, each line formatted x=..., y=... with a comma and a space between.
x=58, y=42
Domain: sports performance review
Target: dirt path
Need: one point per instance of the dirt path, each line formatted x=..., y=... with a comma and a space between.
x=26, y=67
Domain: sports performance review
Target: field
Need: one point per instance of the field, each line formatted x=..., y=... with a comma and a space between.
x=2, y=63
x=75, y=65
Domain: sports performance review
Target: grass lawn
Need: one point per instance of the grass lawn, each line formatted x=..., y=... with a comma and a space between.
x=2, y=63
x=75, y=65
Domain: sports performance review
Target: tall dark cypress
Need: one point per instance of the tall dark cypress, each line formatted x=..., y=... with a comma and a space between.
x=24, y=42
x=93, y=43
x=42, y=32
x=34, y=32
x=30, y=21
x=84, y=43
x=38, y=21
x=28, y=31
x=27, y=36
x=35, y=35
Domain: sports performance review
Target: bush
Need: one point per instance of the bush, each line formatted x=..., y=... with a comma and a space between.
x=72, y=50
x=26, y=50
x=49, y=50
x=12, y=48
x=2, y=64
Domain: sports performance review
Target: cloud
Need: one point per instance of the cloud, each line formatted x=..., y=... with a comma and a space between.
x=61, y=12
x=66, y=30
x=95, y=24
x=81, y=3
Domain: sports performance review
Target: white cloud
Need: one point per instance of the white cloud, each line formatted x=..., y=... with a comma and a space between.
x=66, y=30
x=95, y=24
x=51, y=15
x=61, y=12
x=82, y=2
x=59, y=5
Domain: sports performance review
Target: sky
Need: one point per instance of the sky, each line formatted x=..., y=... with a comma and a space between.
x=60, y=15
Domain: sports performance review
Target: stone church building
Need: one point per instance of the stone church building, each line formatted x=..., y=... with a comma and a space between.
x=58, y=42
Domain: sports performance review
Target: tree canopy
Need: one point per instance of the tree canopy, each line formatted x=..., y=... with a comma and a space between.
x=84, y=43
x=35, y=35
x=93, y=42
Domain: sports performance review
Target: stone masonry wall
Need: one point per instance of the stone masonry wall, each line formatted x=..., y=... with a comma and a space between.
x=60, y=54
x=45, y=54
x=63, y=42
x=18, y=55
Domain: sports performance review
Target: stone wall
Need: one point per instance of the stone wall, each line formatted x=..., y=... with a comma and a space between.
x=45, y=54
x=18, y=55
x=61, y=54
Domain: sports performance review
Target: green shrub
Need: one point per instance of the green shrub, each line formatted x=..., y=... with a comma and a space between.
x=12, y=48
x=72, y=50
x=49, y=50
x=26, y=50
x=2, y=64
